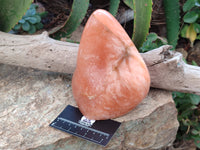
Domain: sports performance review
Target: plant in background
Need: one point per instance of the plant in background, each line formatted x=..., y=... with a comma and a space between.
x=142, y=19
x=114, y=5
x=191, y=28
x=172, y=13
x=153, y=41
x=77, y=14
x=11, y=12
x=31, y=21
x=188, y=106
x=188, y=116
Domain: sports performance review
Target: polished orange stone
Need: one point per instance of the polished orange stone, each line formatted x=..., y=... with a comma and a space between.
x=111, y=77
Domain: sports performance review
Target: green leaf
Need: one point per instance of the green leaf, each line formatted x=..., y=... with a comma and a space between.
x=147, y=46
x=198, y=37
x=32, y=20
x=195, y=99
x=39, y=25
x=172, y=13
x=32, y=29
x=38, y=18
x=193, y=107
x=26, y=26
x=185, y=108
x=11, y=12
x=129, y=3
x=152, y=37
x=142, y=18
x=42, y=14
x=188, y=5
x=195, y=132
x=17, y=26
x=114, y=5
x=33, y=6
x=79, y=10
x=22, y=21
x=194, y=63
x=190, y=17
x=179, y=94
x=196, y=27
x=153, y=41
x=30, y=12
x=184, y=30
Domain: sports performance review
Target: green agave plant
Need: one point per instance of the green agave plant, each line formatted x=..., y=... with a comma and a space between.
x=142, y=19
x=172, y=13
x=11, y=11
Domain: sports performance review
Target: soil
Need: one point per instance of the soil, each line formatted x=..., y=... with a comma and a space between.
x=58, y=12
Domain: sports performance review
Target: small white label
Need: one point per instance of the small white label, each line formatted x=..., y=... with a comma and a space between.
x=86, y=122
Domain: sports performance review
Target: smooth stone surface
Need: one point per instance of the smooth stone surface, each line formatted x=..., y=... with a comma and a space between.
x=111, y=78
x=31, y=99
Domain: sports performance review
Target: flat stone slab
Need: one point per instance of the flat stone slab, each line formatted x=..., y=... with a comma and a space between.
x=31, y=99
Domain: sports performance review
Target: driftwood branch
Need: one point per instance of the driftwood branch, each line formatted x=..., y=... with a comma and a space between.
x=167, y=70
x=38, y=51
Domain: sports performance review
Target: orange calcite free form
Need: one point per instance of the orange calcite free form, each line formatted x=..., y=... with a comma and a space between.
x=111, y=77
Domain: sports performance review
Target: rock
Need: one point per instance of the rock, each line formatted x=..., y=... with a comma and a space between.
x=111, y=78
x=31, y=99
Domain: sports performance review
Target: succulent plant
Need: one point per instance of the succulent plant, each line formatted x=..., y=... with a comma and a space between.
x=30, y=22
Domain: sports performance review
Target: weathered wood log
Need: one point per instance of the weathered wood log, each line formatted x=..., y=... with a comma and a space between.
x=38, y=51
x=167, y=70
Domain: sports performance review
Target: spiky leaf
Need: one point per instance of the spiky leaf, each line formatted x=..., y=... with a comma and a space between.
x=172, y=13
x=78, y=12
x=11, y=11
x=142, y=18
x=114, y=4
x=129, y=3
